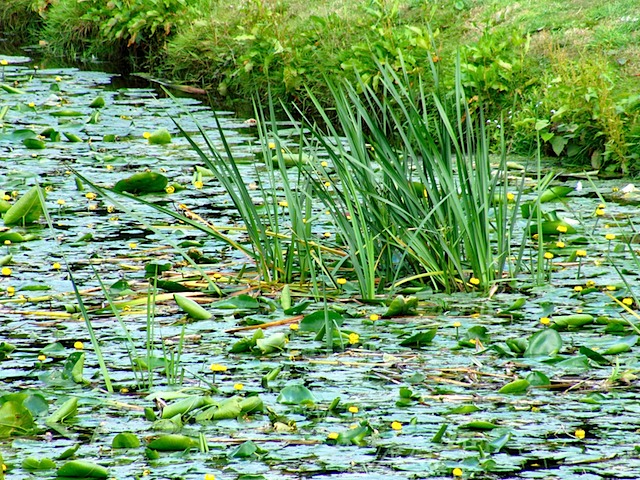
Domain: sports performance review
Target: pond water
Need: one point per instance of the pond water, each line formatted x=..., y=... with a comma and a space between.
x=374, y=410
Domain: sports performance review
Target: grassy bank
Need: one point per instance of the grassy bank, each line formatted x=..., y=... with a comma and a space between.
x=562, y=73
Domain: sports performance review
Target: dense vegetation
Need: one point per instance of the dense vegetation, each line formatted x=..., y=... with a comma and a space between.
x=564, y=72
x=328, y=297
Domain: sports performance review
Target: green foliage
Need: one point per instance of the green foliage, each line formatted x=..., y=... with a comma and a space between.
x=136, y=21
x=493, y=67
x=19, y=21
x=582, y=112
x=388, y=41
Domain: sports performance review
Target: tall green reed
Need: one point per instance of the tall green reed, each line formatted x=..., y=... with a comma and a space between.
x=413, y=191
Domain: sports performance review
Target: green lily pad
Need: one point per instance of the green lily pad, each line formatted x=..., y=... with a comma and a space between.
x=82, y=469
x=296, y=395
x=546, y=343
x=142, y=182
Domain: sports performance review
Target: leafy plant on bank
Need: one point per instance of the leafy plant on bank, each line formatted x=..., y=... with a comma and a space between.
x=136, y=22
x=583, y=112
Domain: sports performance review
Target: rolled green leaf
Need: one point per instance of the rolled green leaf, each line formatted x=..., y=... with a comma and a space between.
x=183, y=406
x=191, y=308
x=142, y=182
x=517, y=386
x=125, y=440
x=82, y=469
x=172, y=443
x=26, y=210
x=97, y=102
x=160, y=137
x=67, y=410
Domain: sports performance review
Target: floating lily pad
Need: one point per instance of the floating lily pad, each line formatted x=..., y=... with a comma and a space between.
x=142, y=182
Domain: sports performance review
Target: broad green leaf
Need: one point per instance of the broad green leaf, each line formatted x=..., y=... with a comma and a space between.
x=74, y=366
x=125, y=440
x=273, y=343
x=419, y=339
x=191, y=308
x=34, y=143
x=31, y=463
x=26, y=210
x=183, y=406
x=576, y=363
x=315, y=322
x=498, y=444
x=593, y=355
x=82, y=469
x=401, y=306
x=67, y=410
x=238, y=302
x=537, y=379
x=517, y=386
x=285, y=297
x=555, y=193
x=568, y=321
x=172, y=443
x=245, y=450
x=463, y=410
x=15, y=419
x=296, y=395
x=479, y=425
x=251, y=404
x=545, y=343
x=247, y=344
x=298, y=308
x=69, y=452
x=97, y=102
x=142, y=182
x=160, y=137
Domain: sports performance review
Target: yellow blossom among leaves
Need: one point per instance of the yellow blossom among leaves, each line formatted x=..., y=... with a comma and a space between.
x=457, y=472
x=353, y=409
x=610, y=236
x=397, y=426
x=545, y=320
x=333, y=435
x=561, y=229
x=548, y=255
x=580, y=434
x=6, y=271
x=78, y=345
x=581, y=253
x=474, y=281
x=216, y=367
x=354, y=338
x=374, y=317
x=627, y=301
